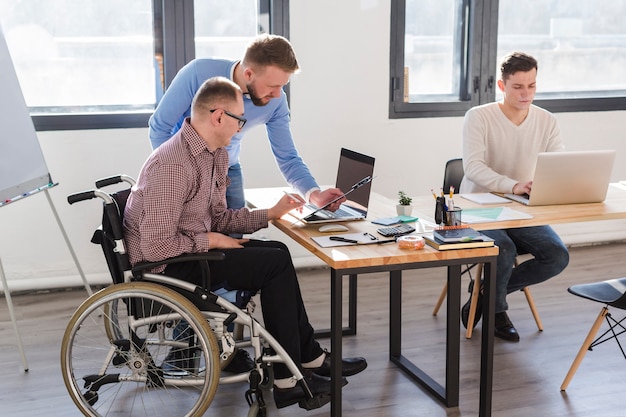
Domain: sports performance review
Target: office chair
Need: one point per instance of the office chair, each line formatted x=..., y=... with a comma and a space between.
x=610, y=293
x=452, y=177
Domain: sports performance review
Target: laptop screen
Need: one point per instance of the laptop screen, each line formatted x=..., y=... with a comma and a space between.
x=353, y=167
x=570, y=177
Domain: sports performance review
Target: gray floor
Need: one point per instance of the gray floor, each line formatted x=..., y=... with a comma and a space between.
x=527, y=375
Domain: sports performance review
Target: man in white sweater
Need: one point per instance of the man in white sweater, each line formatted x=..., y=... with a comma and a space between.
x=501, y=141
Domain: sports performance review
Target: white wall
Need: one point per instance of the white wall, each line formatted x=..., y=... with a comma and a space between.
x=340, y=98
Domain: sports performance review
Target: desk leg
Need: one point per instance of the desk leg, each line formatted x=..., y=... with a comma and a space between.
x=351, y=329
x=336, y=322
x=351, y=306
x=395, y=314
x=453, y=338
x=486, y=356
x=448, y=394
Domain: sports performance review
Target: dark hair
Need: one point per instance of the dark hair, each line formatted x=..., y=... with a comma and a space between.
x=214, y=92
x=516, y=61
x=266, y=50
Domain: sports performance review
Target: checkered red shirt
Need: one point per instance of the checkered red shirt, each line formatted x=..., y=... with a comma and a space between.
x=179, y=196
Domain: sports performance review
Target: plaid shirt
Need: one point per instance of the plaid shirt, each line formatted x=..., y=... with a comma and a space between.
x=180, y=195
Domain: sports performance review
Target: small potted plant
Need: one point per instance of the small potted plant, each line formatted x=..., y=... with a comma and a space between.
x=404, y=204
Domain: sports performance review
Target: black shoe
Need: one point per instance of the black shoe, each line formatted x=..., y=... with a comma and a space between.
x=349, y=366
x=504, y=328
x=479, y=306
x=177, y=363
x=319, y=386
x=239, y=362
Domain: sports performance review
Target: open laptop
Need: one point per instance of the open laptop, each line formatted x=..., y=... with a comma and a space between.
x=569, y=178
x=354, y=175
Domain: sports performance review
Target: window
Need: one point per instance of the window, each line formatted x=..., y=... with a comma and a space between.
x=103, y=64
x=225, y=28
x=445, y=53
x=93, y=57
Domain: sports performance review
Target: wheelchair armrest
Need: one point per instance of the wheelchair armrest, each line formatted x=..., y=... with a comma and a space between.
x=187, y=257
x=202, y=258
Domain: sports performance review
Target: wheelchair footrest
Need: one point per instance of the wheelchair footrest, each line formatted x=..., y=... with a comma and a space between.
x=317, y=401
x=255, y=394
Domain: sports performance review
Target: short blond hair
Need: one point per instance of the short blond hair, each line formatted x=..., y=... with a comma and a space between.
x=271, y=50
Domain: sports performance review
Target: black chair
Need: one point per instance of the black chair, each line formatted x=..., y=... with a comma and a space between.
x=453, y=174
x=611, y=293
x=452, y=177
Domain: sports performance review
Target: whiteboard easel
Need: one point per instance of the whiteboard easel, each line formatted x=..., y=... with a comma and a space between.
x=7, y=291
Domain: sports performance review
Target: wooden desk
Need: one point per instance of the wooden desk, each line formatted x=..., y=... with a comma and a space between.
x=353, y=260
x=614, y=207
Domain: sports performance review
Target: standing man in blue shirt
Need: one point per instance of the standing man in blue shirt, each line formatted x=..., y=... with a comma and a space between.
x=266, y=67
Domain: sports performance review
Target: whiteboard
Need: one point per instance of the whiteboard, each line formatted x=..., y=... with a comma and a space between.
x=23, y=168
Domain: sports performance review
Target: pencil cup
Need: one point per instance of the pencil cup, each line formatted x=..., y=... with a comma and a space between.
x=440, y=210
x=453, y=217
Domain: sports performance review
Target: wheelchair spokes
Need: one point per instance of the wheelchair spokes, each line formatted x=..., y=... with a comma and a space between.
x=112, y=361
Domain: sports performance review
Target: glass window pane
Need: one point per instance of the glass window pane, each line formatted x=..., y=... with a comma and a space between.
x=431, y=50
x=224, y=29
x=580, y=45
x=82, y=55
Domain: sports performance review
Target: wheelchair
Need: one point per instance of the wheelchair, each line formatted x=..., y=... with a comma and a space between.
x=154, y=345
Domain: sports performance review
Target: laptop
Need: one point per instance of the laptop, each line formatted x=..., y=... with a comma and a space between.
x=569, y=178
x=354, y=176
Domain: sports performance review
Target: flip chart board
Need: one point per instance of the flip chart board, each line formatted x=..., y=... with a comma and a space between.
x=23, y=169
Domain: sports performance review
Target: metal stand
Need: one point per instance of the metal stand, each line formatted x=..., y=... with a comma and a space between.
x=7, y=292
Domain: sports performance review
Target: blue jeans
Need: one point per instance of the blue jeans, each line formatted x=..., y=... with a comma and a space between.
x=235, y=199
x=234, y=194
x=550, y=257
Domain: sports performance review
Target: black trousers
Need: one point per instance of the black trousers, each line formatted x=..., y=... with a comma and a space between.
x=264, y=266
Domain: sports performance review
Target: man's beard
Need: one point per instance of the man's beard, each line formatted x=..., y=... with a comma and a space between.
x=256, y=100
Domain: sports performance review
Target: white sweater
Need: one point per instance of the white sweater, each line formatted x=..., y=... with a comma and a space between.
x=497, y=154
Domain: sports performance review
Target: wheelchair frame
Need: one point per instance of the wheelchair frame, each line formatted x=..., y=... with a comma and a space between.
x=116, y=341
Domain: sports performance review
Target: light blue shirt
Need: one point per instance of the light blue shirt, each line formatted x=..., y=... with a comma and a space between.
x=175, y=106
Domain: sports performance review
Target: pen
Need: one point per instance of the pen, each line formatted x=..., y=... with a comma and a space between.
x=434, y=195
x=343, y=239
x=295, y=197
x=376, y=242
x=451, y=192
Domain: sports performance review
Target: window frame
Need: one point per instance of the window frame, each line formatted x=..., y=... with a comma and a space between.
x=477, y=83
x=173, y=33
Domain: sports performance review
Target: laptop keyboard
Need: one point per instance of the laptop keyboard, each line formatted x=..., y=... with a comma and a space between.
x=342, y=213
x=520, y=198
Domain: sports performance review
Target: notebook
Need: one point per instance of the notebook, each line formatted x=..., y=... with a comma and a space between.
x=354, y=175
x=569, y=178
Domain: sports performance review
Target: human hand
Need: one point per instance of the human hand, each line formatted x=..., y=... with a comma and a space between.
x=522, y=188
x=222, y=241
x=321, y=198
x=287, y=203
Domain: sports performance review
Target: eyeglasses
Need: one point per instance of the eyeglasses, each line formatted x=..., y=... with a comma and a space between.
x=241, y=120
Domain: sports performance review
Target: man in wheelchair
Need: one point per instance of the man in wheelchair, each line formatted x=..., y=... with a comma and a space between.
x=179, y=206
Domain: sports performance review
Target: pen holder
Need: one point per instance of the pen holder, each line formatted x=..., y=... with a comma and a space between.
x=440, y=210
x=453, y=217
x=447, y=216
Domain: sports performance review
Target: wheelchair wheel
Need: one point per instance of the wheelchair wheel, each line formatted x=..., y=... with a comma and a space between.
x=111, y=323
x=140, y=349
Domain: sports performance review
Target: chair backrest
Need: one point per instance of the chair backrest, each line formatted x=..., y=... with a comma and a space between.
x=110, y=233
x=453, y=174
